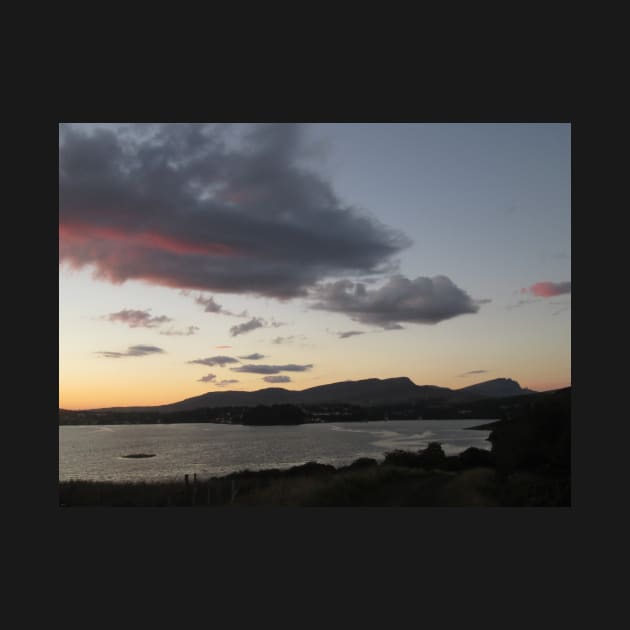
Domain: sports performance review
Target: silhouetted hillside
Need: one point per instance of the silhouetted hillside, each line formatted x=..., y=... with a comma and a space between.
x=495, y=388
x=368, y=392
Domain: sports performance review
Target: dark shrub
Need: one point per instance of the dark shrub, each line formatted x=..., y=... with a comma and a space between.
x=310, y=468
x=433, y=456
x=403, y=458
x=362, y=462
x=473, y=457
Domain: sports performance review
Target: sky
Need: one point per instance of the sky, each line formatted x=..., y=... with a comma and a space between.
x=210, y=257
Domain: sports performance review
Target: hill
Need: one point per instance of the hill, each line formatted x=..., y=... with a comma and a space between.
x=366, y=392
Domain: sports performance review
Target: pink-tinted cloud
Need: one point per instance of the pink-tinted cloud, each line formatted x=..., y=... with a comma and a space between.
x=181, y=205
x=81, y=233
x=548, y=289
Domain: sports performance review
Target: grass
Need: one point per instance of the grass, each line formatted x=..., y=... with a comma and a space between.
x=362, y=484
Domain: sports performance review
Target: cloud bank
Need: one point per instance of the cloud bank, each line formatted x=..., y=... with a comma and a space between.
x=419, y=301
x=208, y=378
x=209, y=207
x=253, y=357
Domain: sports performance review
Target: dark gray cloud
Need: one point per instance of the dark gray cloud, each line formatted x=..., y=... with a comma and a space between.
x=208, y=378
x=272, y=369
x=212, y=361
x=349, y=333
x=253, y=357
x=133, y=351
x=209, y=207
x=252, y=324
x=277, y=379
x=191, y=330
x=419, y=301
x=137, y=319
x=472, y=372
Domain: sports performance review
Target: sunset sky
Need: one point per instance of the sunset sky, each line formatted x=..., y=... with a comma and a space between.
x=206, y=257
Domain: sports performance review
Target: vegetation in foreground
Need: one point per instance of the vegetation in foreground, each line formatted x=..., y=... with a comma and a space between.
x=528, y=465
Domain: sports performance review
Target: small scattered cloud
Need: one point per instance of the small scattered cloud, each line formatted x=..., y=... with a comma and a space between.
x=226, y=382
x=277, y=379
x=520, y=303
x=419, y=301
x=253, y=357
x=191, y=330
x=210, y=306
x=472, y=372
x=281, y=340
x=222, y=347
x=137, y=319
x=208, y=378
x=212, y=361
x=349, y=333
x=252, y=324
x=272, y=369
x=290, y=339
x=132, y=351
x=548, y=289
x=560, y=310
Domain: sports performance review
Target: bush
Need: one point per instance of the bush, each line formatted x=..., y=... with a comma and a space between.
x=433, y=456
x=476, y=457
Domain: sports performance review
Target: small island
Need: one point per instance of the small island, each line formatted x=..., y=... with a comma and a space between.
x=138, y=455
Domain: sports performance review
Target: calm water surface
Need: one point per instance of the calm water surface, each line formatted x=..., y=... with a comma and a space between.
x=96, y=452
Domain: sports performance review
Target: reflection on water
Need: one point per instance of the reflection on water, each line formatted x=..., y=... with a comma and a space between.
x=88, y=452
